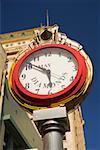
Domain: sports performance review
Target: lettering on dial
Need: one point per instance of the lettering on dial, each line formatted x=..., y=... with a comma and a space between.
x=34, y=80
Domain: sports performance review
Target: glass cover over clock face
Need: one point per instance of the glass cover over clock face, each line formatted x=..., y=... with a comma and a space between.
x=48, y=71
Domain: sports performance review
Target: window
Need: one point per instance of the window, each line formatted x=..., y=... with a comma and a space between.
x=12, y=139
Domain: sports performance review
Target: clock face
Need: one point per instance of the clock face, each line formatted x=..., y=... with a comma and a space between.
x=48, y=71
x=48, y=74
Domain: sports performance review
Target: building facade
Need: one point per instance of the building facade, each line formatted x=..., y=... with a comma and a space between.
x=12, y=44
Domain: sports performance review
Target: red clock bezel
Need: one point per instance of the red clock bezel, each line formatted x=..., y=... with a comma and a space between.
x=35, y=98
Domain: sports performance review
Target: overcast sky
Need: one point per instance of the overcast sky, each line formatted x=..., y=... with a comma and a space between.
x=80, y=20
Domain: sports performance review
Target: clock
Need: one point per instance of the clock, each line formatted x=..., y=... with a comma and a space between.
x=47, y=74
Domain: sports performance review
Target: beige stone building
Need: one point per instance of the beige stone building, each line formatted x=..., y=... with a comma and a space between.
x=11, y=45
x=74, y=140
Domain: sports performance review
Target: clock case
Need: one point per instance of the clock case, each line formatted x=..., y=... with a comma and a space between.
x=70, y=96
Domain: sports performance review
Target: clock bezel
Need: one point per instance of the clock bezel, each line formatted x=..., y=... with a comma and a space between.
x=35, y=98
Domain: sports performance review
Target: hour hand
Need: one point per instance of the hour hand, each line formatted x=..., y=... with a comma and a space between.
x=49, y=77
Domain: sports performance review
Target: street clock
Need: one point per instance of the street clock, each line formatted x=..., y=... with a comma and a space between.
x=49, y=74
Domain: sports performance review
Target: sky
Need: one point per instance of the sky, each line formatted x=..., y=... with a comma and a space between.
x=80, y=20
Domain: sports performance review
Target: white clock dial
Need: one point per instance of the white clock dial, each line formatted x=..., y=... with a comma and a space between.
x=48, y=71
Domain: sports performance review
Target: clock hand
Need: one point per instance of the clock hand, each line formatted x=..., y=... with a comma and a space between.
x=47, y=71
x=55, y=75
x=49, y=77
x=52, y=74
x=44, y=70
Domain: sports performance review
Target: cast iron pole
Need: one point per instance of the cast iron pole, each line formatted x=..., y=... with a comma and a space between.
x=52, y=124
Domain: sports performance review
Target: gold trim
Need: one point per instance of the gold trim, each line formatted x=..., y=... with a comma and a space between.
x=79, y=95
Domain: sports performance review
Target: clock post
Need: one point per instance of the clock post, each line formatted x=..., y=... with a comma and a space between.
x=52, y=124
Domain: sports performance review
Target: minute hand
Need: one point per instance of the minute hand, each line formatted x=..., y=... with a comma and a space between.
x=44, y=70
x=41, y=68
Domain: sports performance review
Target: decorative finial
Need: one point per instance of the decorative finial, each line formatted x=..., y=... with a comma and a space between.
x=41, y=24
x=47, y=18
